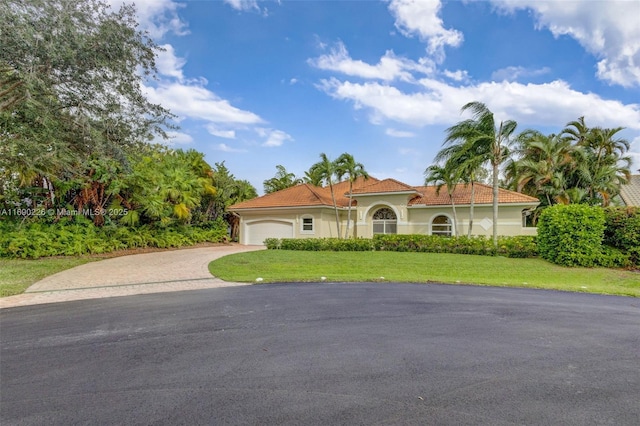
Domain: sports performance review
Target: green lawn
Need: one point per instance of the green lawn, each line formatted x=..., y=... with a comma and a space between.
x=17, y=274
x=290, y=266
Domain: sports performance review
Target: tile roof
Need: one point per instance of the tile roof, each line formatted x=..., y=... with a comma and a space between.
x=483, y=194
x=306, y=195
x=382, y=186
x=630, y=193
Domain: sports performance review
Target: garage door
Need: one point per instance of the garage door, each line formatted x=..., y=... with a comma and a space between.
x=258, y=231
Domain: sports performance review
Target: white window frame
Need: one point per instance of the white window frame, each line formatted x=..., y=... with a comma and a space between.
x=443, y=233
x=386, y=223
x=302, y=224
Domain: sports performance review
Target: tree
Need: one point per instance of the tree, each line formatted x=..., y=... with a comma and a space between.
x=485, y=142
x=443, y=176
x=468, y=167
x=326, y=170
x=71, y=78
x=346, y=165
x=282, y=180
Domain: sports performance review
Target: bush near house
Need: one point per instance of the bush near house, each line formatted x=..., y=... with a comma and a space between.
x=622, y=231
x=520, y=246
x=572, y=235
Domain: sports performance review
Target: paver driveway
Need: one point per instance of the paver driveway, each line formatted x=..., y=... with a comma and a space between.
x=175, y=270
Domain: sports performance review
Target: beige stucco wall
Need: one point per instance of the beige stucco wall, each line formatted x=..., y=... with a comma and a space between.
x=411, y=220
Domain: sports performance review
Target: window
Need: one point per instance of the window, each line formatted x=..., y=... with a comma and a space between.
x=441, y=225
x=307, y=225
x=385, y=221
x=528, y=218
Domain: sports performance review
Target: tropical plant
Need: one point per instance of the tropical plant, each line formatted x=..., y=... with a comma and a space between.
x=326, y=170
x=484, y=141
x=443, y=176
x=346, y=165
x=282, y=180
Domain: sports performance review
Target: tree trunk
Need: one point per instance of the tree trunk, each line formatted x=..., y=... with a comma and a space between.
x=473, y=192
x=335, y=207
x=495, y=204
x=346, y=233
x=455, y=215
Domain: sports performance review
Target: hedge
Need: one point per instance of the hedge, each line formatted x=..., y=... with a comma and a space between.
x=519, y=246
x=622, y=231
x=35, y=240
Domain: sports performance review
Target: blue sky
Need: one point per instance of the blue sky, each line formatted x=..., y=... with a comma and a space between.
x=256, y=84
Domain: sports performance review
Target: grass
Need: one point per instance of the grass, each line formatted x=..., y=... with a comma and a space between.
x=304, y=266
x=18, y=274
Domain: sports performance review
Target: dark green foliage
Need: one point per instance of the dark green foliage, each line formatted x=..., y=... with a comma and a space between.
x=622, y=231
x=326, y=244
x=571, y=235
x=38, y=239
x=521, y=246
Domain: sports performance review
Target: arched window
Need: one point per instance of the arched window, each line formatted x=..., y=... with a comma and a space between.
x=384, y=221
x=441, y=225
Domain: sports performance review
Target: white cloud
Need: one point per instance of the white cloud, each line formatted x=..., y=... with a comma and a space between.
x=458, y=75
x=549, y=104
x=399, y=133
x=243, y=5
x=226, y=148
x=421, y=17
x=169, y=64
x=179, y=138
x=515, y=73
x=389, y=68
x=274, y=138
x=158, y=17
x=195, y=101
x=221, y=133
x=610, y=30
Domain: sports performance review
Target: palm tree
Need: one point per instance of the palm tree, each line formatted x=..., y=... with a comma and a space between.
x=346, y=165
x=442, y=176
x=602, y=167
x=467, y=166
x=483, y=141
x=282, y=180
x=326, y=170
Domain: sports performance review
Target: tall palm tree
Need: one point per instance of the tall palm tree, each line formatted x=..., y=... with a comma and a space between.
x=467, y=166
x=347, y=165
x=443, y=176
x=486, y=142
x=326, y=170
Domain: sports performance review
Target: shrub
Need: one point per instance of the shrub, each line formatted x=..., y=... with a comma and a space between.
x=520, y=246
x=622, y=231
x=39, y=239
x=571, y=235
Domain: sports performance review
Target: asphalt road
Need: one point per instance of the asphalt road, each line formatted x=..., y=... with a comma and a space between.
x=324, y=354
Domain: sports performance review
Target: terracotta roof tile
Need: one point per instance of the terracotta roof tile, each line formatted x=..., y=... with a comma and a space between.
x=382, y=186
x=305, y=195
x=630, y=193
x=462, y=195
x=296, y=196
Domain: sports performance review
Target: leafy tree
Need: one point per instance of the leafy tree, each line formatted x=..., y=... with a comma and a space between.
x=282, y=180
x=346, y=165
x=71, y=77
x=484, y=141
x=443, y=176
x=327, y=170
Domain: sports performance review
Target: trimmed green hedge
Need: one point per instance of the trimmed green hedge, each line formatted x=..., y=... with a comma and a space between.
x=573, y=235
x=622, y=231
x=35, y=240
x=520, y=246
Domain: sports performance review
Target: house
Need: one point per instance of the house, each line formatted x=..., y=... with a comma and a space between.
x=630, y=192
x=379, y=207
